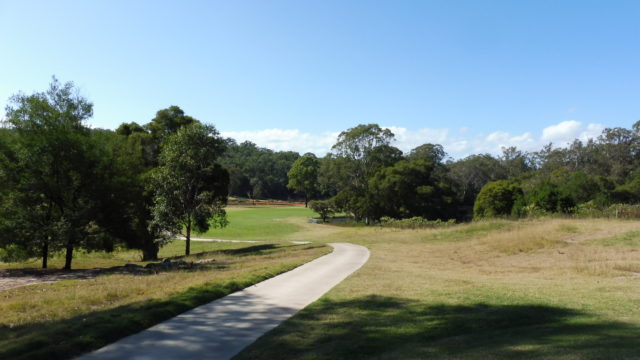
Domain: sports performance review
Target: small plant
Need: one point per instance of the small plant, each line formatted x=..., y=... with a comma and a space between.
x=415, y=223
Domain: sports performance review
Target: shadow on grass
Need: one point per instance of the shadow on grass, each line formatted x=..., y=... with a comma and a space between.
x=67, y=338
x=250, y=250
x=391, y=328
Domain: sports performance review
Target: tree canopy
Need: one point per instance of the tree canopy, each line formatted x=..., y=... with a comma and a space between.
x=303, y=176
x=190, y=185
x=52, y=199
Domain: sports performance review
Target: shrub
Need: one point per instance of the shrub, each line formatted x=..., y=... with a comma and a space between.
x=617, y=211
x=324, y=208
x=497, y=198
x=414, y=223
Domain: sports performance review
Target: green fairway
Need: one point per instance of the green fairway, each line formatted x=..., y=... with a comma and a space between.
x=260, y=223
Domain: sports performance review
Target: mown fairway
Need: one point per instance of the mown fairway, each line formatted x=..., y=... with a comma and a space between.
x=63, y=319
x=566, y=289
x=261, y=222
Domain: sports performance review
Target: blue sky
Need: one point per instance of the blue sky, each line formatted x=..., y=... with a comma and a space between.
x=472, y=75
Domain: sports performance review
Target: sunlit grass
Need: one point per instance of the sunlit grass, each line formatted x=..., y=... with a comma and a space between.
x=495, y=289
x=59, y=320
x=260, y=223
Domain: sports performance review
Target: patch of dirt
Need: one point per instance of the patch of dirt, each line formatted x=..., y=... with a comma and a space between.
x=13, y=278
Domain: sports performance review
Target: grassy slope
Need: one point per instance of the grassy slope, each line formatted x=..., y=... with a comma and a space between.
x=63, y=319
x=531, y=289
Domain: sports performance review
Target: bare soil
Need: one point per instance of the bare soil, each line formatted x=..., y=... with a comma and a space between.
x=12, y=278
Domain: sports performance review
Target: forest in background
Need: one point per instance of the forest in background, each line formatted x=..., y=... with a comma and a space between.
x=69, y=186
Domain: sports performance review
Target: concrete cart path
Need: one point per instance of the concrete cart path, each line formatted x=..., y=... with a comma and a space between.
x=222, y=328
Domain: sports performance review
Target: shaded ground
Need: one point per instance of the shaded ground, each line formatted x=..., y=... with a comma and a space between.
x=377, y=327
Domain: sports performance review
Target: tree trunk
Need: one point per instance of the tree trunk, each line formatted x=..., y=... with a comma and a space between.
x=69, y=256
x=306, y=200
x=187, y=251
x=45, y=254
x=150, y=251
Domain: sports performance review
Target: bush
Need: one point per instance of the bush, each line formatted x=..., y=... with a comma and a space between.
x=414, y=223
x=497, y=198
x=324, y=208
x=14, y=253
x=615, y=211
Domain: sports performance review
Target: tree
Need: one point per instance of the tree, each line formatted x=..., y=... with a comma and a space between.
x=514, y=161
x=433, y=153
x=324, y=208
x=191, y=186
x=54, y=171
x=167, y=122
x=126, y=199
x=303, y=176
x=257, y=172
x=469, y=175
x=358, y=154
x=496, y=198
x=408, y=189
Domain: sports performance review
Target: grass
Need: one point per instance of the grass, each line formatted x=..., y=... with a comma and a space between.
x=260, y=223
x=265, y=223
x=538, y=289
x=533, y=289
x=63, y=319
x=628, y=239
x=102, y=259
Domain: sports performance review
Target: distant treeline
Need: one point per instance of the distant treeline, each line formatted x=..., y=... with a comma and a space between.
x=366, y=176
x=67, y=186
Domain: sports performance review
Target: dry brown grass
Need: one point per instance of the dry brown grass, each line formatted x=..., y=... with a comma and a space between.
x=66, y=299
x=548, y=259
x=478, y=290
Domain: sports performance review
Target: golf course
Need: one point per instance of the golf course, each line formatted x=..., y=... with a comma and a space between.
x=544, y=288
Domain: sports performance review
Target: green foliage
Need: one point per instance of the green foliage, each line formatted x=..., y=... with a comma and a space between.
x=190, y=185
x=410, y=188
x=496, y=199
x=14, y=253
x=431, y=153
x=324, y=208
x=357, y=155
x=628, y=192
x=415, y=222
x=470, y=174
x=256, y=172
x=167, y=122
x=546, y=197
x=53, y=184
x=127, y=197
x=303, y=176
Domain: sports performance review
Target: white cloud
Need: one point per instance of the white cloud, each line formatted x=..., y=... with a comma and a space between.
x=408, y=139
x=565, y=132
x=286, y=139
x=562, y=131
x=457, y=144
